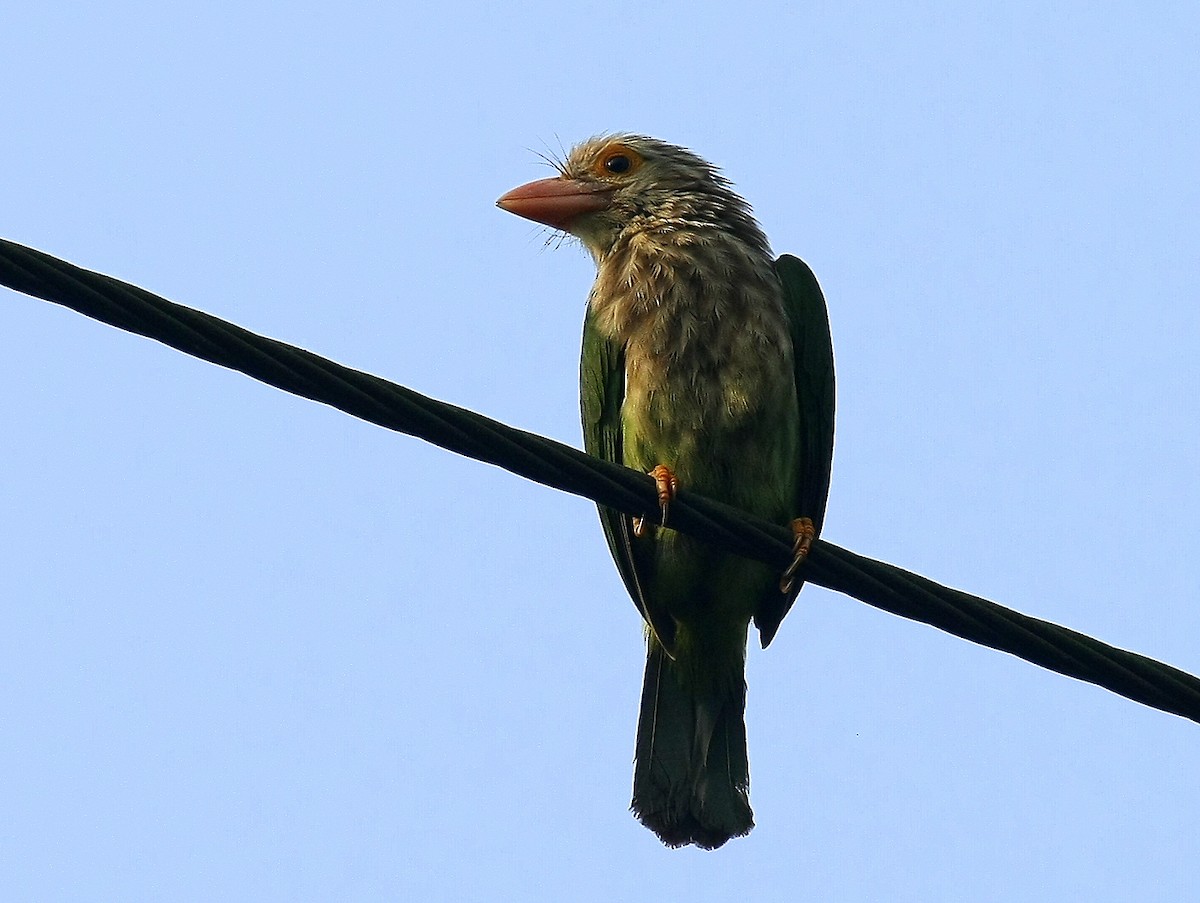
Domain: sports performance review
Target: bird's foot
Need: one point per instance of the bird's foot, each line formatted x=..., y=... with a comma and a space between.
x=803, y=533
x=667, y=485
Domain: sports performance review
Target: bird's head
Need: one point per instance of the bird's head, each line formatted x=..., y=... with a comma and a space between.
x=617, y=185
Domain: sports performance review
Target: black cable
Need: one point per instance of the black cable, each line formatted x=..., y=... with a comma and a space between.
x=553, y=464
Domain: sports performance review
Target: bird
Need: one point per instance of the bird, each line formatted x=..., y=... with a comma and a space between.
x=708, y=364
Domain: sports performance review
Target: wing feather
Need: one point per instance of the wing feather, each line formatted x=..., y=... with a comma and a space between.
x=812, y=348
x=601, y=392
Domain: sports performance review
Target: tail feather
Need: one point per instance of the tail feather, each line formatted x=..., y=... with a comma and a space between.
x=691, y=777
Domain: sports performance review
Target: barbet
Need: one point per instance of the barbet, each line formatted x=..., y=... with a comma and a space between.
x=707, y=364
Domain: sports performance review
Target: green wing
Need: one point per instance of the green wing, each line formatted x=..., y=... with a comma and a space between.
x=601, y=391
x=812, y=347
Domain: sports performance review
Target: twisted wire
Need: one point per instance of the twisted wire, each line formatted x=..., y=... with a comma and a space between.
x=554, y=464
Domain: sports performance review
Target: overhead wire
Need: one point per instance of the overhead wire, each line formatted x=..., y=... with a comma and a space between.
x=554, y=464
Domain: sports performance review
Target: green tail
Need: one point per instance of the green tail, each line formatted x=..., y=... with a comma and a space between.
x=691, y=778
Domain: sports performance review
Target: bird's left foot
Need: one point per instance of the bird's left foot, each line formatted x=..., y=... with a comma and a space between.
x=667, y=484
x=803, y=533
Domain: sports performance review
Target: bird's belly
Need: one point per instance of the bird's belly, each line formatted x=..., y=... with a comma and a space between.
x=732, y=439
x=745, y=458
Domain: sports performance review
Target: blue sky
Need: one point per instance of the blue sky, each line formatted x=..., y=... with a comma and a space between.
x=253, y=649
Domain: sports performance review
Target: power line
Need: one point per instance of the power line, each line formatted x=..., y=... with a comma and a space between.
x=553, y=464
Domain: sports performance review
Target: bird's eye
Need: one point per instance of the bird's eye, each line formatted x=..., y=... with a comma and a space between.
x=618, y=160
x=618, y=164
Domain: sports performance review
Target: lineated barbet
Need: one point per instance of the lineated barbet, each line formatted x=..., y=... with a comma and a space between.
x=707, y=364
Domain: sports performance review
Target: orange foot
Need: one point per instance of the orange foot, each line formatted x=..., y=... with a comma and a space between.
x=804, y=533
x=667, y=486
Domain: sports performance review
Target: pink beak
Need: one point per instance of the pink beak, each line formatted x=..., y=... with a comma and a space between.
x=556, y=202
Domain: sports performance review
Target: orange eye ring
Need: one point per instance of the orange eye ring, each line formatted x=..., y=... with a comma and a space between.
x=617, y=160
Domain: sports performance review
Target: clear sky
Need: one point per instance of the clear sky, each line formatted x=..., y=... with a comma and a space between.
x=252, y=649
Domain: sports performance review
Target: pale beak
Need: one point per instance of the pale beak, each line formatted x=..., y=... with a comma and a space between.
x=556, y=202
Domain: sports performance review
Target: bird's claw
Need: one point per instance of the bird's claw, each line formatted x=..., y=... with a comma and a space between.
x=803, y=533
x=668, y=485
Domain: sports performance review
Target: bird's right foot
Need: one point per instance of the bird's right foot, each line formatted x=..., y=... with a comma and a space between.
x=667, y=484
